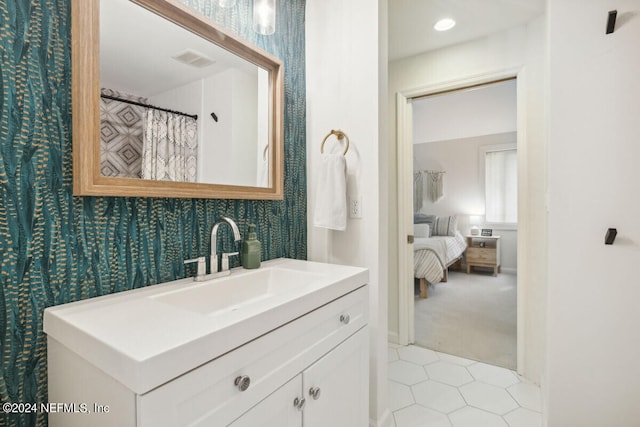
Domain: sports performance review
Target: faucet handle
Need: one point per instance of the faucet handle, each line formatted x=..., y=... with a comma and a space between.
x=202, y=265
x=225, y=259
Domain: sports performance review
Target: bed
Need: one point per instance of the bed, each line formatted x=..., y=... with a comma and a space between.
x=436, y=250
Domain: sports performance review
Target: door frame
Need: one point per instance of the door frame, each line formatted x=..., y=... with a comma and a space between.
x=404, y=137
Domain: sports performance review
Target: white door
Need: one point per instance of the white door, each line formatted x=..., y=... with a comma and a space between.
x=336, y=387
x=276, y=410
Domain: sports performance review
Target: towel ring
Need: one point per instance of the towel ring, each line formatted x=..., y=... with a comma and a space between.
x=340, y=135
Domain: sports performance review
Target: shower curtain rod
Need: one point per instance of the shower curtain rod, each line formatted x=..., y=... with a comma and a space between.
x=140, y=104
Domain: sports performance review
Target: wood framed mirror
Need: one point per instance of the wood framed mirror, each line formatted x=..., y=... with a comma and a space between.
x=241, y=157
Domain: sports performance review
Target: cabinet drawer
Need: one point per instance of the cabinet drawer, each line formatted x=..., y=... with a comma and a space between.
x=481, y=255
x=208, y=395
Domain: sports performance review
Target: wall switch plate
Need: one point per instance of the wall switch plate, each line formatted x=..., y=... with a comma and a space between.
x=355, y=207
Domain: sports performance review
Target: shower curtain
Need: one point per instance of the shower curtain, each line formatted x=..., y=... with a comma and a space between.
x=170, y=145
x=121, y=130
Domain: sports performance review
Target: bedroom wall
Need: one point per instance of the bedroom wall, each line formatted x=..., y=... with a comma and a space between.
x=448, y=130
x=522, y=48
x=463, y=190
x=484, y=110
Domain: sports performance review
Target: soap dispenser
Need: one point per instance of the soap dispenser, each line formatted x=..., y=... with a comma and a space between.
x=251, y=249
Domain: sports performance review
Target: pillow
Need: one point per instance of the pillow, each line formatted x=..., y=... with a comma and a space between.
x=421, y=230
x=445, y=226
x=420, y=218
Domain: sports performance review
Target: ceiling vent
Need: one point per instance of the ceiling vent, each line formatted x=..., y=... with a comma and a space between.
x=193, y=58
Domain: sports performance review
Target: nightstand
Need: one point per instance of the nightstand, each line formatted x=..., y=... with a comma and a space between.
x=483, y=251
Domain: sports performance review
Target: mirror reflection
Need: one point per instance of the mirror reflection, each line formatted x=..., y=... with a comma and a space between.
x=176, y=107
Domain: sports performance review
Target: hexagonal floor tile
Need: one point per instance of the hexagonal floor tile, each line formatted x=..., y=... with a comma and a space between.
x=438, y=396
x=449, y=374
x=417, y=416
x=522, y=417
x=527, y=395
x=417, y=355
x=400, y=396
x=406, y=372
x=456, y=360
x=488, y=397
x=493, y=375
x=474, y=417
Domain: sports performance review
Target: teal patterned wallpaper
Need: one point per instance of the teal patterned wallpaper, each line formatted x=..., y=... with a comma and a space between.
x=56, y=248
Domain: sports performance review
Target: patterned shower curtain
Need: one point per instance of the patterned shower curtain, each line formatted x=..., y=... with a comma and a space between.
x=170, y=144
x=121, y=130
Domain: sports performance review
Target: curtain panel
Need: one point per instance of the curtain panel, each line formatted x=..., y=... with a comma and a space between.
x=170, y=146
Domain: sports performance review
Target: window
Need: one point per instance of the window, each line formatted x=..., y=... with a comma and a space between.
x=501, y=184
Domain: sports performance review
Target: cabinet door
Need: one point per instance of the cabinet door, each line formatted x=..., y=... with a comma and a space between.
x=276, y=410
x=337, y=386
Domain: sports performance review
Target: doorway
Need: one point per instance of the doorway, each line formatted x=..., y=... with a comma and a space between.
x=405, y=130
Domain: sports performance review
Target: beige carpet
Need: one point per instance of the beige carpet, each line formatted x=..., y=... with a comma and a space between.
x=471, y=316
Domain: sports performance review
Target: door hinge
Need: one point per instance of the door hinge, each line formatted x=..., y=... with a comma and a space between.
x=409, y=238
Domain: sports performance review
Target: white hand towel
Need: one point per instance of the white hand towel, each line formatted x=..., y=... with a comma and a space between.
x=331, y=193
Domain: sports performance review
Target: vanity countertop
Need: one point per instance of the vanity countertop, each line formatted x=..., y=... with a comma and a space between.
x=142, y=341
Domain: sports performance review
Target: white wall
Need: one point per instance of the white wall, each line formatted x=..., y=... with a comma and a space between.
x=216, y=148
x=594, y=183
x=245, y=144
x=463, y=189
x=346, y=89
x=522, y=50
x=485, y=110
x=235, y=103
x=232, y=97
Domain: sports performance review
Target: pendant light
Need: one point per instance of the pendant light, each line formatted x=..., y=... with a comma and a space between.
x=264, y=16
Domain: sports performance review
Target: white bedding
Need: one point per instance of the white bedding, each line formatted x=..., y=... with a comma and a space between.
x=432, y=255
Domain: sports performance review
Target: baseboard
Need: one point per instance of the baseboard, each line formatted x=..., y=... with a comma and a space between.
x=383, y=421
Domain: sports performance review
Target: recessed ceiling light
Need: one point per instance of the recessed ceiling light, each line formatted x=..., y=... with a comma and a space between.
x=444, y=24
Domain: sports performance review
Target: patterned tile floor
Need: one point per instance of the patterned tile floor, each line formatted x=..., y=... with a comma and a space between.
x=431, y=389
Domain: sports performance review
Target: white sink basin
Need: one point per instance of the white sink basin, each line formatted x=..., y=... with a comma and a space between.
x=223, y=295
x=145, y=337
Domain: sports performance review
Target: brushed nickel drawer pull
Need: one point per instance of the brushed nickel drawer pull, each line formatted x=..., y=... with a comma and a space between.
x=314, y=392
x=243, y=382
x=299, y=403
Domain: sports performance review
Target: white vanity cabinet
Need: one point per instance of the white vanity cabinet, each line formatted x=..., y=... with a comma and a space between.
x=312, y=345
x=311, y=371
x=279, y=409
x=331, y=392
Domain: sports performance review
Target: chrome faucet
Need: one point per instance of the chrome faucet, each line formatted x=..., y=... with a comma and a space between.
x=202, y=275
x=214, y=244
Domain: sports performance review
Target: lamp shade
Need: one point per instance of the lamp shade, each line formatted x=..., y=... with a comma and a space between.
x=474, y=221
